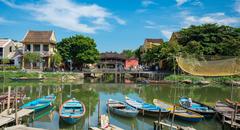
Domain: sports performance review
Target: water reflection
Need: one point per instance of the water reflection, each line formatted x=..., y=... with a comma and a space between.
x=90, y=93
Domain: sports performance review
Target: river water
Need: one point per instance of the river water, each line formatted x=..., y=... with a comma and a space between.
x=90, y=93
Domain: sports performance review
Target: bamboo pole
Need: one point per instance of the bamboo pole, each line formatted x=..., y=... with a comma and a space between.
x=235, y=111
x=89, y=112
x=173, y=116
x=16, y=117
x=108, y=112
x=99, y=113
x=8, y=103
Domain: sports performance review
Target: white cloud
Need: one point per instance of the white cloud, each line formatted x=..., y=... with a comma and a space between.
x=181, y=2
x=141, y=10
x=219, y=18
x=192, y=2
x=197, y=3
x=237, y=6
x=151, y=25
x=167, y=33
x=147, y=3
x=3, y=20
x=69, y=15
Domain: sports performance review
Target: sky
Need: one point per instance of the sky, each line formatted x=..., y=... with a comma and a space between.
x=114, y=24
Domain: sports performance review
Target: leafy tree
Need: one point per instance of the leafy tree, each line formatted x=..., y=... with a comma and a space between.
x=32, y=57
x=210, y=39
x=79, y=49
x=128, y=53
x=4, y=62
x=138, y=53
x=56, y=59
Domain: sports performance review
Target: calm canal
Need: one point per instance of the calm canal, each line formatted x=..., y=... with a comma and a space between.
x=89, y=93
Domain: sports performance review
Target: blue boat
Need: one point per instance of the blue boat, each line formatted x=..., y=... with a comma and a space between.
x=121, y=108
x=71, y=111
x=40, y=103
x=198, y=107
x=146, y=108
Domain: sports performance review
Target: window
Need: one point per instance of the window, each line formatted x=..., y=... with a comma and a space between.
x=45, y=48
x=36, y=47
x=10, y=49
x=28, y=48
x=1, y=52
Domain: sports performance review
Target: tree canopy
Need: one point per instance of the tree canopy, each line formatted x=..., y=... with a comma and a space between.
x=79, y=49
x=128, y=53
x=210, y=39
x=206, y=39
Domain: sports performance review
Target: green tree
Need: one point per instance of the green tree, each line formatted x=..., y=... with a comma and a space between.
x=56, y=59
x=32, y=57
x=210, y=39
x=128, y=53
x=79, y=49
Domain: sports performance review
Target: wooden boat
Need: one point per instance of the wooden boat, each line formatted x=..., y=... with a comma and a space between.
x=105, y=124
x=71, y=111
x=198, y=107
x=26, y=79
x=233, y=104
x=167, y=125
x=225, y=112
x=147, y=109
x=180, y=112
x=40, y=103
x=121, y=108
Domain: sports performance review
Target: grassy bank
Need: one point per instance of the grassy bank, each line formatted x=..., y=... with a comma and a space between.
x=197, y=79
x=48, y=76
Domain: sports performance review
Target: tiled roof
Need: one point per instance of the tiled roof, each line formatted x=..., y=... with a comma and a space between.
x=3, y=42
x=38, y=37
x=154, y=40
x=112, y=55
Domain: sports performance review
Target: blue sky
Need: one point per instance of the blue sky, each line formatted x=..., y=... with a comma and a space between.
x=114, y=24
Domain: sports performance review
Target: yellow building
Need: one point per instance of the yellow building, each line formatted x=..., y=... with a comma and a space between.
x=150, y=43
x=42, y=42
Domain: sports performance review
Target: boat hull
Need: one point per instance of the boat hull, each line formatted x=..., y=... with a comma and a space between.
x=123, y=113
x=70, y=120
x=188, y=119
x=37, y=109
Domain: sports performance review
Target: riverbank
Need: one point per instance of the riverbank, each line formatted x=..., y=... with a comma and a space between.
x=46, y=76
x=189, y=79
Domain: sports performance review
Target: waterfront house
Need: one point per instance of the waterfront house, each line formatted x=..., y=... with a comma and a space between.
x=9, y=49
x=131, y=63
x=42, y=42
x=111, y=60
x=150, y=43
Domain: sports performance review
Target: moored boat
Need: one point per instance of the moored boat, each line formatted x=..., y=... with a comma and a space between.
x=198, y=107
x=180, y=112
x=121, y=108
x=26, y=79
x=233, y=104
x=146, y=108
x=71, y=111
x=40, y=103
x=225, y=112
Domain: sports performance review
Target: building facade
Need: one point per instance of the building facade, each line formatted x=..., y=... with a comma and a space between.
x=131, y=63
x=9, y=50
x=150, y=43
x=42, y=42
